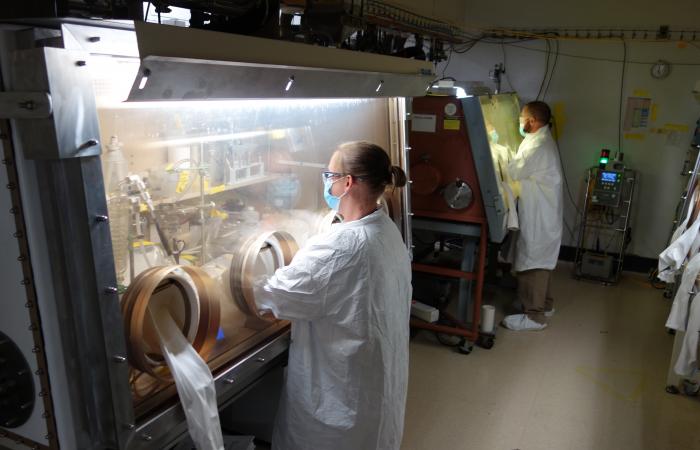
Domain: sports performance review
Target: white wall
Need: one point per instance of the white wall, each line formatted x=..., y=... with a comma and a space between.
x=585, y=96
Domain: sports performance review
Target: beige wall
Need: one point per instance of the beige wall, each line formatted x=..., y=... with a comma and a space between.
x=585, y=96
x=679, y=14
x=590, y=13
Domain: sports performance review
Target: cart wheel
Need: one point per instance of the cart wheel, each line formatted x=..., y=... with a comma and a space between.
x=485, y=342
x=448, y=339
x=671, y=389
x=465, y=347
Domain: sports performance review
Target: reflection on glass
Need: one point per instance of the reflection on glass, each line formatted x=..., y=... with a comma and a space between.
x=501, y=114
x=190, y=182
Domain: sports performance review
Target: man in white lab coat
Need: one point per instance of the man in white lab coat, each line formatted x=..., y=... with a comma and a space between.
x=347, y=293
x=536, y=174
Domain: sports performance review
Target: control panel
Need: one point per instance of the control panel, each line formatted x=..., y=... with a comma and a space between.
x=608, y=188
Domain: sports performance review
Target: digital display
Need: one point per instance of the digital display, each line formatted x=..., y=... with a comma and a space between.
x=609, y=177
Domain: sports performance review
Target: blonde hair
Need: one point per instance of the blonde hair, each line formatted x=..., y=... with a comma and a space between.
x=370, y=163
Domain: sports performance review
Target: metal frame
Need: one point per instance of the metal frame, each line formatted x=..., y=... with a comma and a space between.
x=494, y=205
x=30, y=301
x=63, y=201
x=473, y=235
x=405, y=114
x=169, y=79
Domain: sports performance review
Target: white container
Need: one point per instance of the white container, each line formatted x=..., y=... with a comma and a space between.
x=488, y=314
x=116, y=166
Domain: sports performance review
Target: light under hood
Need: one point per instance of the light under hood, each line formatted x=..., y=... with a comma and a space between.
x=189, y=64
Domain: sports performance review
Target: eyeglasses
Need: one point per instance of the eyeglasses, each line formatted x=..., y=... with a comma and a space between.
x=329, y=175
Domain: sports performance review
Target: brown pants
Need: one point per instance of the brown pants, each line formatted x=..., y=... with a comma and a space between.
x=534, y=291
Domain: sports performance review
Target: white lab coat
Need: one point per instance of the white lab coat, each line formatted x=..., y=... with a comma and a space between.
x=511, y=203
x=536, y=167
x=679, y=310
x=685, y=242
x=501, y=157
x=687, y=362
x=347, y=293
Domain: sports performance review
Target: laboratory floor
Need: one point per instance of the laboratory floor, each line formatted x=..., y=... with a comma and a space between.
x=594, y=379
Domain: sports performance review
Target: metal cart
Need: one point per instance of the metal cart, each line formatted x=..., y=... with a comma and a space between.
x=605, y=225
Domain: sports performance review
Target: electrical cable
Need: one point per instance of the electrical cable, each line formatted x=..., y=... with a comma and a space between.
x=551, y=74
x=619, y=34
x=546, y=69
x=449, y=58
x=561, y=164
x=505, y=66
x=622, y=87
x=593, y=58
x=148, y=7
x=566, y=181
x=468, y=46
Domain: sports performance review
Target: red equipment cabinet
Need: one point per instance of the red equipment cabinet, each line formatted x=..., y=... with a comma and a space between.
x=444, y=156
x=444, y=190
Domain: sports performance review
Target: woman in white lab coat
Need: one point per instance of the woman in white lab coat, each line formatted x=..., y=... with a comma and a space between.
x=347, y=293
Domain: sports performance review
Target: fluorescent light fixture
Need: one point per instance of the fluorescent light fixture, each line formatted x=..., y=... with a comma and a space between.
x=286, y=103
x=289, y=83
x=143, y=82
x=179, y=142
x=379, y=86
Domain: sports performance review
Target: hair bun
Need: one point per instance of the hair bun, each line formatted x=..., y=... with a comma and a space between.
x=398, y=176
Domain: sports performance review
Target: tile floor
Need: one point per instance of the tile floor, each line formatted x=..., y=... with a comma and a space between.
x=594, y=379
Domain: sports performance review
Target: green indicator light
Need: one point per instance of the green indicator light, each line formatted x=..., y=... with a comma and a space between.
x=603, y=160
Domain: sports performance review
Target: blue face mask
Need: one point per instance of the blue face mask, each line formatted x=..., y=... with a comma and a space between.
x=523, y=133
x=494, y=136
x=332, y=201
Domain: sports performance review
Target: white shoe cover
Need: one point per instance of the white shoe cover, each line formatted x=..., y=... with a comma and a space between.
x=550, y=313
x=521, y=322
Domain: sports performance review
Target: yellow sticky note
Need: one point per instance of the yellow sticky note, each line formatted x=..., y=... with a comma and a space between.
x=450, y=124
x=640, y=93
x=182, y=182
x=217, y=189
x=559, y=118
x=218, y=214
x=634, y=136
x=676, y=127
x=654, y=111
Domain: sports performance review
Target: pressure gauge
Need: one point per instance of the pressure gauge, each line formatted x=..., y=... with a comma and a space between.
x=450, y=109
x=661, y=69
x=458, y=195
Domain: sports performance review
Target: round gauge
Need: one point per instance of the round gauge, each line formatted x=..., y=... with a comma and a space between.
x=661, y=69
x=458, y=195
x=450, y=109
x=425, y=179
